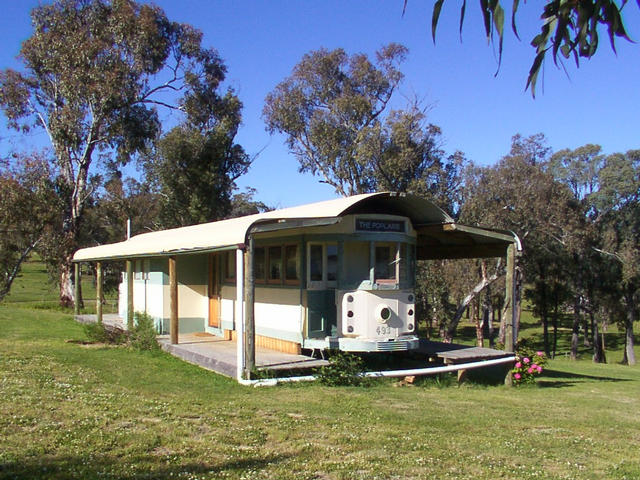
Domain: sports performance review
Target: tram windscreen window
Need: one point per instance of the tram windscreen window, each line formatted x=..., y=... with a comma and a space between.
x=315, y=263
x=385, y=268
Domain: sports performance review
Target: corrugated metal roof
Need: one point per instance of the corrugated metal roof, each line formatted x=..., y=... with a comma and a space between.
x=232, y=232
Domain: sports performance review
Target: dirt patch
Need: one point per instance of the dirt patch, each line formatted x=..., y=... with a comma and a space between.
x=88, y=344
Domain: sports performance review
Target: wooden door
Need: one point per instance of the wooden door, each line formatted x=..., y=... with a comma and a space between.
x=214, y=290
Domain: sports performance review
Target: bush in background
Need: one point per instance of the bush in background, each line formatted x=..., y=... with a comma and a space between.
x=143, y=335
x=344, y=369
x=101, y=333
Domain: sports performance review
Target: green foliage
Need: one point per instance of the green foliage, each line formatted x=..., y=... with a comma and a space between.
x=344, y=369
x=194, y=171
x=568, y=28
x=329, y=108
x=143, y=335
x=95, y=332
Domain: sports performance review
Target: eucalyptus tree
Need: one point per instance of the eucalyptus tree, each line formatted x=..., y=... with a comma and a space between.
x=330, y=110
x=193, y=168
x=579, y=169
x=95, y=74
x=409, y=158
x=335, y=112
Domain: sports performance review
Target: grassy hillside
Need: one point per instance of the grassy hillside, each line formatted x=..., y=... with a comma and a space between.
x=33, y=288
x=74, y=411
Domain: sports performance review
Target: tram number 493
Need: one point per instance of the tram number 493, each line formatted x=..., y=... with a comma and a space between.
x=383, y=330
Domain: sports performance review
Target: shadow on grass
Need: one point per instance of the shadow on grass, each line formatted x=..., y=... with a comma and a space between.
x=558, y=379
x=67, y=467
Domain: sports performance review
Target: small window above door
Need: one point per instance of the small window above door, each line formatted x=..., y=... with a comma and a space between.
x=322, y=265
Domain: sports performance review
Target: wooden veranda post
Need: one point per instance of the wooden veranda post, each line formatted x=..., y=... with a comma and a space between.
x=98, y=291
x=76, y=288
x=250, y=329
x=129, y=294
x=173, y=300
x=239, y=313
x=510, y=299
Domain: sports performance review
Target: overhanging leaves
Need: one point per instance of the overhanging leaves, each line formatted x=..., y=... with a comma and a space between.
x=568, y=27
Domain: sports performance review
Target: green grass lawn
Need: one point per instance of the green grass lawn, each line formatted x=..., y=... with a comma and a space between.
x=73, y=411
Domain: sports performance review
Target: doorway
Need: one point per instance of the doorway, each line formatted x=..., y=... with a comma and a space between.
x=214, y=290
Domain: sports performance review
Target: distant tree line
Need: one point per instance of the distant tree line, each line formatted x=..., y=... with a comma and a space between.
x=576, y=211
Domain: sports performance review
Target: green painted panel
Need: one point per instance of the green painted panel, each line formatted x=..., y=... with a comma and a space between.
x=193, y=269
x=321, y=320
x=185, y=325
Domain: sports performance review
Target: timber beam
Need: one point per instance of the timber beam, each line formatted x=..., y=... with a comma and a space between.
x=173, y=300
x=129, y=266
x=99, y=292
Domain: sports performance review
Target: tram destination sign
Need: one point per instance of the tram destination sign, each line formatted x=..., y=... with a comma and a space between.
x=373, y=225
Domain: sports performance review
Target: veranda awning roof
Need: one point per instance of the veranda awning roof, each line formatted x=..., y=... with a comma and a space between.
x=429, y=220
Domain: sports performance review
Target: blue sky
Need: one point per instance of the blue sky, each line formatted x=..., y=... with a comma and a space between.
x=261, y=41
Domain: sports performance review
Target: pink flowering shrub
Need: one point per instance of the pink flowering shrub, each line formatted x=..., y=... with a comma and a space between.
x=528, y=365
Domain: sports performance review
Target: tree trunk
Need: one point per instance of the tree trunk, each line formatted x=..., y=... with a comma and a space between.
x=66, y=282
x=480, y=286
x=630, y=355
x=585, y=325
x=554, y=321
x=598, y=350
x=489, y=330
x=575, y=329
x=544, y=316
x=518, y=302
x=502, y=329
x=480, y=320
x=14, y=271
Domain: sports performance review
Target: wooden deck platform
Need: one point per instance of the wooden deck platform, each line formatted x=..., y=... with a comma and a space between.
x=453, y=353
x=220, y=355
